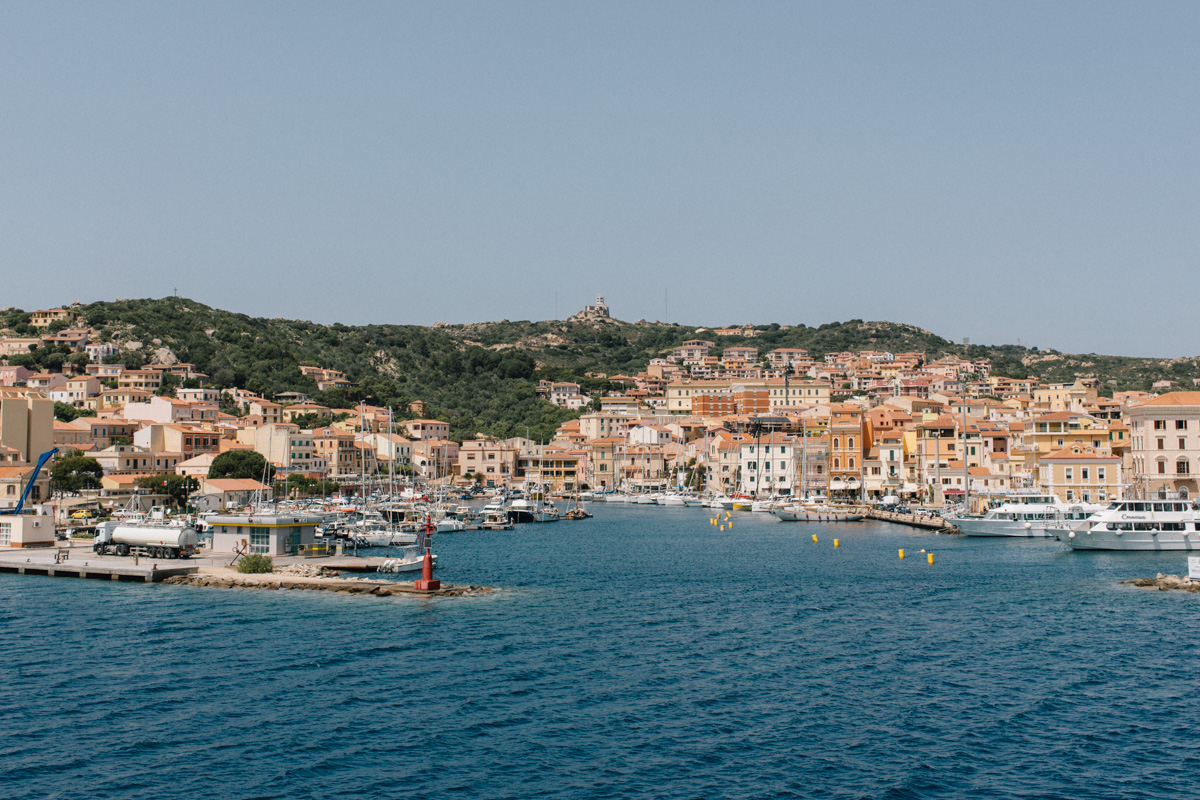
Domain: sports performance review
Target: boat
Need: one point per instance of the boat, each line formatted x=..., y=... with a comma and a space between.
x=742, y=502
x=411, y=559
x=1136, y=525
x=521, y=510
x=1025, y=515
x=496, y=520
x=815, y=513
x=547, y=512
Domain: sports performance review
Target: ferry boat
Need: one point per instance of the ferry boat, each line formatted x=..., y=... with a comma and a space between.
x=1025, y=515
x=1136, y=525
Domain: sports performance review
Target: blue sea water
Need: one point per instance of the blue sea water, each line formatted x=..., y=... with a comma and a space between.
x=643, y=653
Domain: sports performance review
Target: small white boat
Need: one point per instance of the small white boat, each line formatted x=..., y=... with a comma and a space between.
x=411, y=559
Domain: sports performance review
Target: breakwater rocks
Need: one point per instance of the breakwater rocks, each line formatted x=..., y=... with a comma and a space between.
x=228, y=579
x=1166, y=583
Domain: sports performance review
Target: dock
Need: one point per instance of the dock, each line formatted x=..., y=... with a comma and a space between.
x=927, y=521
x=80, y=563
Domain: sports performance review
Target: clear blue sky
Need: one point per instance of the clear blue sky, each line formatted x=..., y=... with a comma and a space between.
x=984, y=170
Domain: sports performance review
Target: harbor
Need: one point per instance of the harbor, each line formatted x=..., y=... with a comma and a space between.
x=646, y=616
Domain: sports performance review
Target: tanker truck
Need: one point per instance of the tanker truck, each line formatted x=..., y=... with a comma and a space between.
x=156, y=541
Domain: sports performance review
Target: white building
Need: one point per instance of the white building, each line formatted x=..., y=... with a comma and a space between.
x=767, y=465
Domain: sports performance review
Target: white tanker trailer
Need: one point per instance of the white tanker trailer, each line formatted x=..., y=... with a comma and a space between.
x=157, y=541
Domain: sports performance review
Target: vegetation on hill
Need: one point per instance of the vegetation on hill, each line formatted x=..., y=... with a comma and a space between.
x=482, y=377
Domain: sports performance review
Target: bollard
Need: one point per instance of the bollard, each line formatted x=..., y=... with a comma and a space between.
x=835, y=543
x=901, y=555
x=930, y=558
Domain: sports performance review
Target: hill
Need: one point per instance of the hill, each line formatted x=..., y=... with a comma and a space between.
x=482, y=377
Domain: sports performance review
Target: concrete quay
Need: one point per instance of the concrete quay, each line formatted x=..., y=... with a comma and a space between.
x=229, y=578
x=77, y=562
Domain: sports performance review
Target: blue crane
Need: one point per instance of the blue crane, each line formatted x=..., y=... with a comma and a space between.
x=42, y=459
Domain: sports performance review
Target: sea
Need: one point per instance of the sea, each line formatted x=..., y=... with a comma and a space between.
x=644, y=653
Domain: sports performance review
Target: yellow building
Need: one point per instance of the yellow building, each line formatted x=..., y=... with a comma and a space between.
x=1080, y=474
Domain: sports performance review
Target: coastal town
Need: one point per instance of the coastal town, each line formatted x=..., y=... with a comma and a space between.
x=709, y=418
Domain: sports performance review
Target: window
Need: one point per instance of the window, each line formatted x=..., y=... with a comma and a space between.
x=1181, y=467
x=1162, y=468
x=1086, y=472
x=783, y=465
x=1100, y=474
x=1160, y=424
x=260, y=542
x=1070, y=473
x=1182, y=444
x=1162, y=443
x=1181, y=424
x=5, y=533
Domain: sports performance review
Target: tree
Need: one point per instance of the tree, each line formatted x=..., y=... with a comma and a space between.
x=64, y=412
x=176, y=487
x=241, y=464
x=74, y=472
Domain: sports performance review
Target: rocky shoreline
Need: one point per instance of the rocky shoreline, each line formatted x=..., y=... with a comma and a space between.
x=230, y=579
x=1166, y=583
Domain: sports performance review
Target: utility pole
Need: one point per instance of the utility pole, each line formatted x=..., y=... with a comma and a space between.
x=966, y=469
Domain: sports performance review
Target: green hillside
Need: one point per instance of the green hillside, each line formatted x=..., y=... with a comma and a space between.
x=481, y=377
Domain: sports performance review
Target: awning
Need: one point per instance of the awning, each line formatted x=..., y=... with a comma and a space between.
x=836, y=484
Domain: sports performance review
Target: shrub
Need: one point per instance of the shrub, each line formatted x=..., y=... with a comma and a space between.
x=254, y=564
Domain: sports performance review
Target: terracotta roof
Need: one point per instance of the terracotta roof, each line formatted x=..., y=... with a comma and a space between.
x=1174, y=399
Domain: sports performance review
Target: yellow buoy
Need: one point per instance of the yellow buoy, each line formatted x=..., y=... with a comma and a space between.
x=922, y=549
x=835, y=543
x=722, y=527
x=901, y=555
x=730, y=523
x=814, y=537
x=930, y=558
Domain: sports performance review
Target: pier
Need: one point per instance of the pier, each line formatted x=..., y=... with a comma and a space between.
x=927, y=521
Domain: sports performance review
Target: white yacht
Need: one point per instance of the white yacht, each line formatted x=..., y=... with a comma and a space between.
x=1136, y=525
x=1025, y=515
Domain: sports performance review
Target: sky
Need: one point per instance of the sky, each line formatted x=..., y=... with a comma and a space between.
x=1001, y=172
